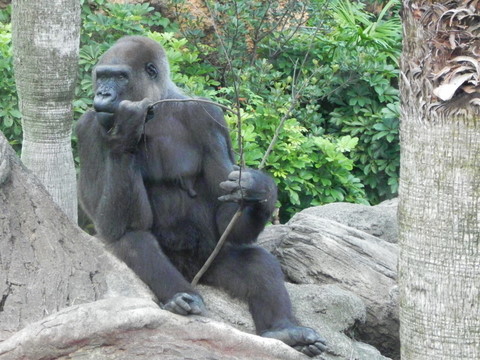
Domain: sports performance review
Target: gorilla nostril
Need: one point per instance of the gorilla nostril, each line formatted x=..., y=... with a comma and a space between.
x=104, y=94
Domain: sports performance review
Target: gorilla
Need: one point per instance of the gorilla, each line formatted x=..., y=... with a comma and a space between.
x=160, y=185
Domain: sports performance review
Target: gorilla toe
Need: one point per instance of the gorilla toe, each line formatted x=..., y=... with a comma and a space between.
x=303, y=339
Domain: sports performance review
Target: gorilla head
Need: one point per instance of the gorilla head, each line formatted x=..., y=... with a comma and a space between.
x=134, y=68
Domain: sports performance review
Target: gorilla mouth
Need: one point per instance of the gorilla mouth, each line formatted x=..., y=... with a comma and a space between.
x=104, y=107
x=105, y=102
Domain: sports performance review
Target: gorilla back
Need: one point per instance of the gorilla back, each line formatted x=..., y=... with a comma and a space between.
x=160, y=193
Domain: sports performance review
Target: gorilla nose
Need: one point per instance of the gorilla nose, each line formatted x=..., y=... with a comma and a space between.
x=104, y=101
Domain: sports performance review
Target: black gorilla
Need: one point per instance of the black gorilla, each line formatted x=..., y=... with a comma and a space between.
x=161, y=192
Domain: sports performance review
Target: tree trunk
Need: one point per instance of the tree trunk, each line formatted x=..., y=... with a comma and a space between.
x=439, y=267
x=46, y=42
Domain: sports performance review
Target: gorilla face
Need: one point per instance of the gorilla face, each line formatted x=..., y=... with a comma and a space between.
x=128, y=72
x=111, y=83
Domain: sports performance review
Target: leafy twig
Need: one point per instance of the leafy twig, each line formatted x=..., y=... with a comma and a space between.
x=293, y=104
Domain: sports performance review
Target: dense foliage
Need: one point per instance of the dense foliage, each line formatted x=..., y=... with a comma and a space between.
x=320, y=74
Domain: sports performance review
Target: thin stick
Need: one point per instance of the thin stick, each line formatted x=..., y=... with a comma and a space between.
x=218, y=247
x=237, y=215
x=275, y=136
x=196, y=100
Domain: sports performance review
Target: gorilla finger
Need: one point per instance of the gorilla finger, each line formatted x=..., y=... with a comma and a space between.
x=184, y=304
x=142, y=106
x=310, y=336
x=231, y=198
x=196, y=303
x=310, y=350
x=229, y=186
x=195, y=309
x=234, y=175
x=307, y=351
x=134, y=106
x=302, y=349
x=145, y=103
x=174, y=308
x=246, y=177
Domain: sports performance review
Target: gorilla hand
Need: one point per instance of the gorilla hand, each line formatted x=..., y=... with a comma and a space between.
x=185, y=304
x=127, y=125
x=303, y=339
x=245, y=185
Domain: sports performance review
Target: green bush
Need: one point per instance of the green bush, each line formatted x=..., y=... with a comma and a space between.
x=309, y=169
x=351, y=57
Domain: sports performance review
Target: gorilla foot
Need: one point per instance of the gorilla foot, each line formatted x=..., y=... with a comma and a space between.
x=303, y=339
x=185, y=304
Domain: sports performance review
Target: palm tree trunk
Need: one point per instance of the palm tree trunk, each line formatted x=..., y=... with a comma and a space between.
x=46, y=43
x=439, y=267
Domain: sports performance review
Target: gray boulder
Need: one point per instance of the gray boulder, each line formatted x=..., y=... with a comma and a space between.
x=314, y=249
x=46, y=262
x=333, y=312
x=380, y=220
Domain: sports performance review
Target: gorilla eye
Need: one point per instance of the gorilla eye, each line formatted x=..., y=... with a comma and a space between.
x=151, y=70
x=122, y=77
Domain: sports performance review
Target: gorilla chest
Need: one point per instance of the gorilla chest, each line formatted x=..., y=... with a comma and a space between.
x=169, y=153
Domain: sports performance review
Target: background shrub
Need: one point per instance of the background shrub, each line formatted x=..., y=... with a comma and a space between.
x=322, y=75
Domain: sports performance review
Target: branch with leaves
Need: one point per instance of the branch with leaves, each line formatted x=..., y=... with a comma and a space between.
x=271, y=19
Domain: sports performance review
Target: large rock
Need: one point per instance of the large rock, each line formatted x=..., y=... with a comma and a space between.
x=380, y=220
x=132, y=328
x=46, y=262
x=126, y=328
x=333, y=312
x=315, y=250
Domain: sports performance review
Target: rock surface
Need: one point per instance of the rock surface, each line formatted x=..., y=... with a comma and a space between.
x=333, y=312
x=46, y=262
x=316, y=250
x=133, y=328
x=379, y=220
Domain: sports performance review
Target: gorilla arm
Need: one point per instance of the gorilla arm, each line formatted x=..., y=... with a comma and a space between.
x=230, y=185
x=113, y=194
x=110, y=184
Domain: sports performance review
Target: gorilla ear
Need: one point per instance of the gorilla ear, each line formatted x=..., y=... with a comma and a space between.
x=151, y=70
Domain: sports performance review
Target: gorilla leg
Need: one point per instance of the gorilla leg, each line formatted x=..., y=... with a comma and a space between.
x=251, y=273
x=141, y=252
